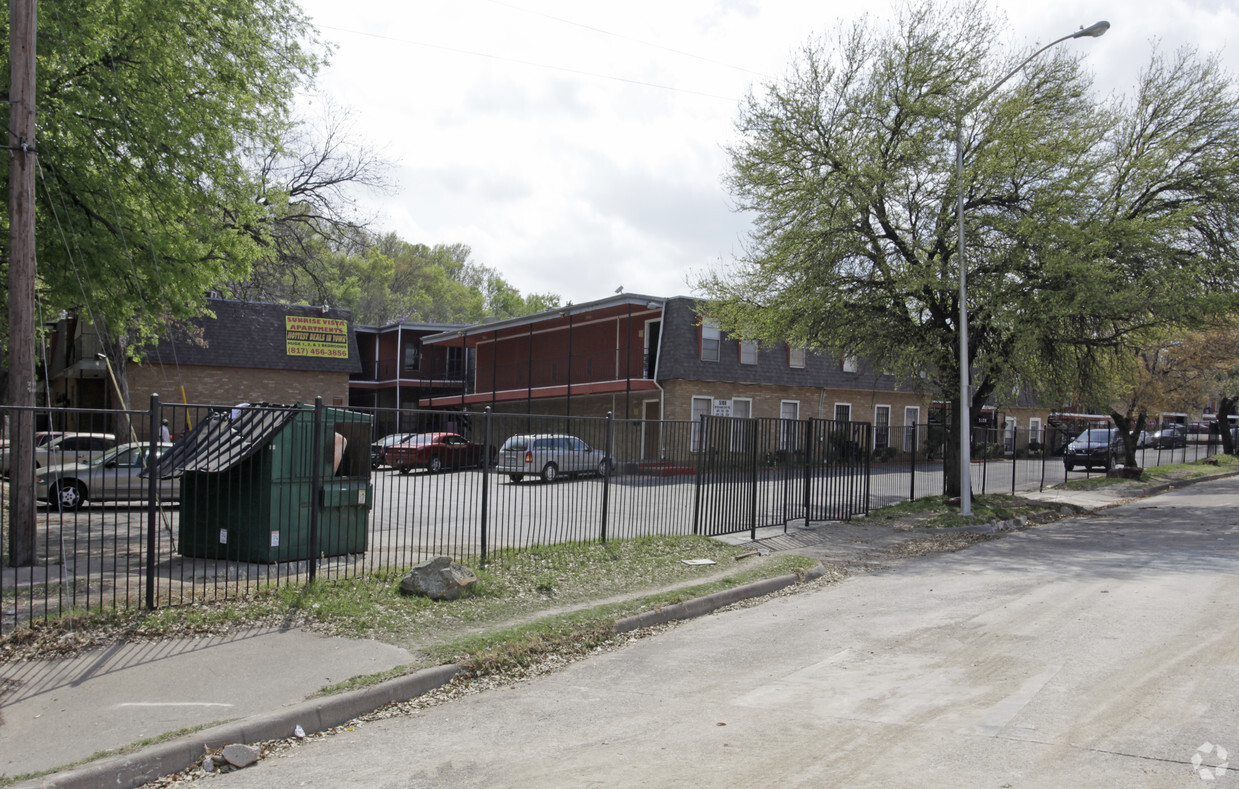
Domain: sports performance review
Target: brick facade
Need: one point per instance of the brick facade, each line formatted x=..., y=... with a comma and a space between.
x=814, y=403
x=231, y=385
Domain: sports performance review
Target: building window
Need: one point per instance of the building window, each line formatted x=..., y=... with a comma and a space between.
x=748, y=352
x=701, y=407
x=789, y=425
x=413, y=355
x=851, y=364
x=795, y=357
x=710, y=339
x=843, y=412
x=740, y=409
x=911, y=418
x=881, y=426
x=1034, y=430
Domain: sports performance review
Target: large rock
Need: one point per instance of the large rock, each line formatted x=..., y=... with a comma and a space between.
x=240, y=755
x=439, y=578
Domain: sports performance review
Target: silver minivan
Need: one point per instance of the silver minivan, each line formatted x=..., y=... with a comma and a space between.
x=549, y=456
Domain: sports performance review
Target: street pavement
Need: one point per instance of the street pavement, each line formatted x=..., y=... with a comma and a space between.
x=1093, y=651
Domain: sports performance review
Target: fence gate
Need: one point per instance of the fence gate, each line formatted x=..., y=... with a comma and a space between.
x=753, y=473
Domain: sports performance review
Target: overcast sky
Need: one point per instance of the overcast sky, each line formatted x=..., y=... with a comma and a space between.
x=578, y=147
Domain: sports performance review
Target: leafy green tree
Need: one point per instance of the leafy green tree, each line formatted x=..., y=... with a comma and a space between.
x=151, y=116
x=384, y=279
x=1089, y=222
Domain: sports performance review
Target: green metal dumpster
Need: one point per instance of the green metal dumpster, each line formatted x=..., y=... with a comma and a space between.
x=248, y=484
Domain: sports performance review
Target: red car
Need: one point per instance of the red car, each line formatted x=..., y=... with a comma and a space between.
x=434, y=452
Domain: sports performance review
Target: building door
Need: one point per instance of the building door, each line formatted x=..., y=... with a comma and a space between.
x=651, y=415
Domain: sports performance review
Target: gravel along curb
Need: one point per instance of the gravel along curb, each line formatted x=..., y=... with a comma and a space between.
x=317, y=715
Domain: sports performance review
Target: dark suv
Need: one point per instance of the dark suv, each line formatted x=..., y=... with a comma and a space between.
x=1096, y=447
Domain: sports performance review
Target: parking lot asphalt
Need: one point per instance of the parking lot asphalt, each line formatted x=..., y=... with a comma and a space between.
x=258, y=685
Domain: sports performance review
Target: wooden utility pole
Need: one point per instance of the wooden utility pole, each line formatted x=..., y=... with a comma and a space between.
x=21, y=149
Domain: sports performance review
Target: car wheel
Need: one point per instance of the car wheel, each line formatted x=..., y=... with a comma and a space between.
x=68, y=496
x=405, y=469
x=435, y=465
x=516, y=477
x=604, y=468
x=549, y=472
x=1070, y=466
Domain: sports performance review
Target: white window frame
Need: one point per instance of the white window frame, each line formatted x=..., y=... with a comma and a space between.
x=749, y=349
x=710, y=333
x=848, y=406
x=881, y=432
x=910, y=425
x=739, y=429
x=789, y=437
x=1034, y=431
x=695, y=415
x=1010, y=429
x=795, y=358
x=851, y=364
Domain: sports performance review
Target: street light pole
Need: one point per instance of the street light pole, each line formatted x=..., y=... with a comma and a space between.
x=965, y=374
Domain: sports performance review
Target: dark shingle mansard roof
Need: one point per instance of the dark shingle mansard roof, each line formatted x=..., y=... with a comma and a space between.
x=250, y=334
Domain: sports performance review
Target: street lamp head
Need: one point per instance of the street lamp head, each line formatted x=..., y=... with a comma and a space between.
x=1094, y=30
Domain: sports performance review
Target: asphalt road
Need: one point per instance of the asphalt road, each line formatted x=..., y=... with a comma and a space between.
x=1093, y=652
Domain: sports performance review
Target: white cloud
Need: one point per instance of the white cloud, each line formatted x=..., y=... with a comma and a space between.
x=574, y=160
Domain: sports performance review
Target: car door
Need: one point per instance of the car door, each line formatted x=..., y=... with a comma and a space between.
x=578, y=450
x=121, y=475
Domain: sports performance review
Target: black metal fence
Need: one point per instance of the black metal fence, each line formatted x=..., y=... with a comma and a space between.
x=253, y=496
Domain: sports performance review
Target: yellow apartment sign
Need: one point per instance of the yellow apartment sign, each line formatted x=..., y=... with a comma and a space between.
x=309, y=336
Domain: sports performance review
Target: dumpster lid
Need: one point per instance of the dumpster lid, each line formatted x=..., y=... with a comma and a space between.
x=223, y=440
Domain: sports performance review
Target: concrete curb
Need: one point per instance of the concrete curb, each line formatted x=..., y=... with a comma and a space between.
x=712, y=602
x=148, y=764
x=1153, y=490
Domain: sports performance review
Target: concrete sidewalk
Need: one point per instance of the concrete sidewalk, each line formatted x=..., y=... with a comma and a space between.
x=258, y=684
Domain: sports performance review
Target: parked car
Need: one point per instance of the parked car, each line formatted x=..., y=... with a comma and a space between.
x=1169, y=437
x=549, y=456
x=1095, y=447
x=54, y=449
x=434, y=452
x=113, y=476
x=379, y=447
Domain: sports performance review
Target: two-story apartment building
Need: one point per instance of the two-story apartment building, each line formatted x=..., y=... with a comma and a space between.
x=397, y=371
x=643, y=357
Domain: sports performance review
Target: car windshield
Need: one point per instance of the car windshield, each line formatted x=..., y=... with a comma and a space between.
x=126, y=455
x=1094, y=436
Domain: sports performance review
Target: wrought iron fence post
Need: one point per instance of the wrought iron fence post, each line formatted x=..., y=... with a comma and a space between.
x=867, y=432
x=606, y=478
x=486, y=432
x=912, y=476
x=753, y=481
x=1044, y=453
x=808, y=467
x=316, y=481
x=152, y=490
x=701, y=456
x=1015, y=454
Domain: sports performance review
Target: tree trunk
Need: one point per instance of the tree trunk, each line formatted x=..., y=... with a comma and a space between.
x=1226, y=407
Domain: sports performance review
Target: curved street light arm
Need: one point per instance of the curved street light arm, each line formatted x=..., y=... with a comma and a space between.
x=965, y=376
